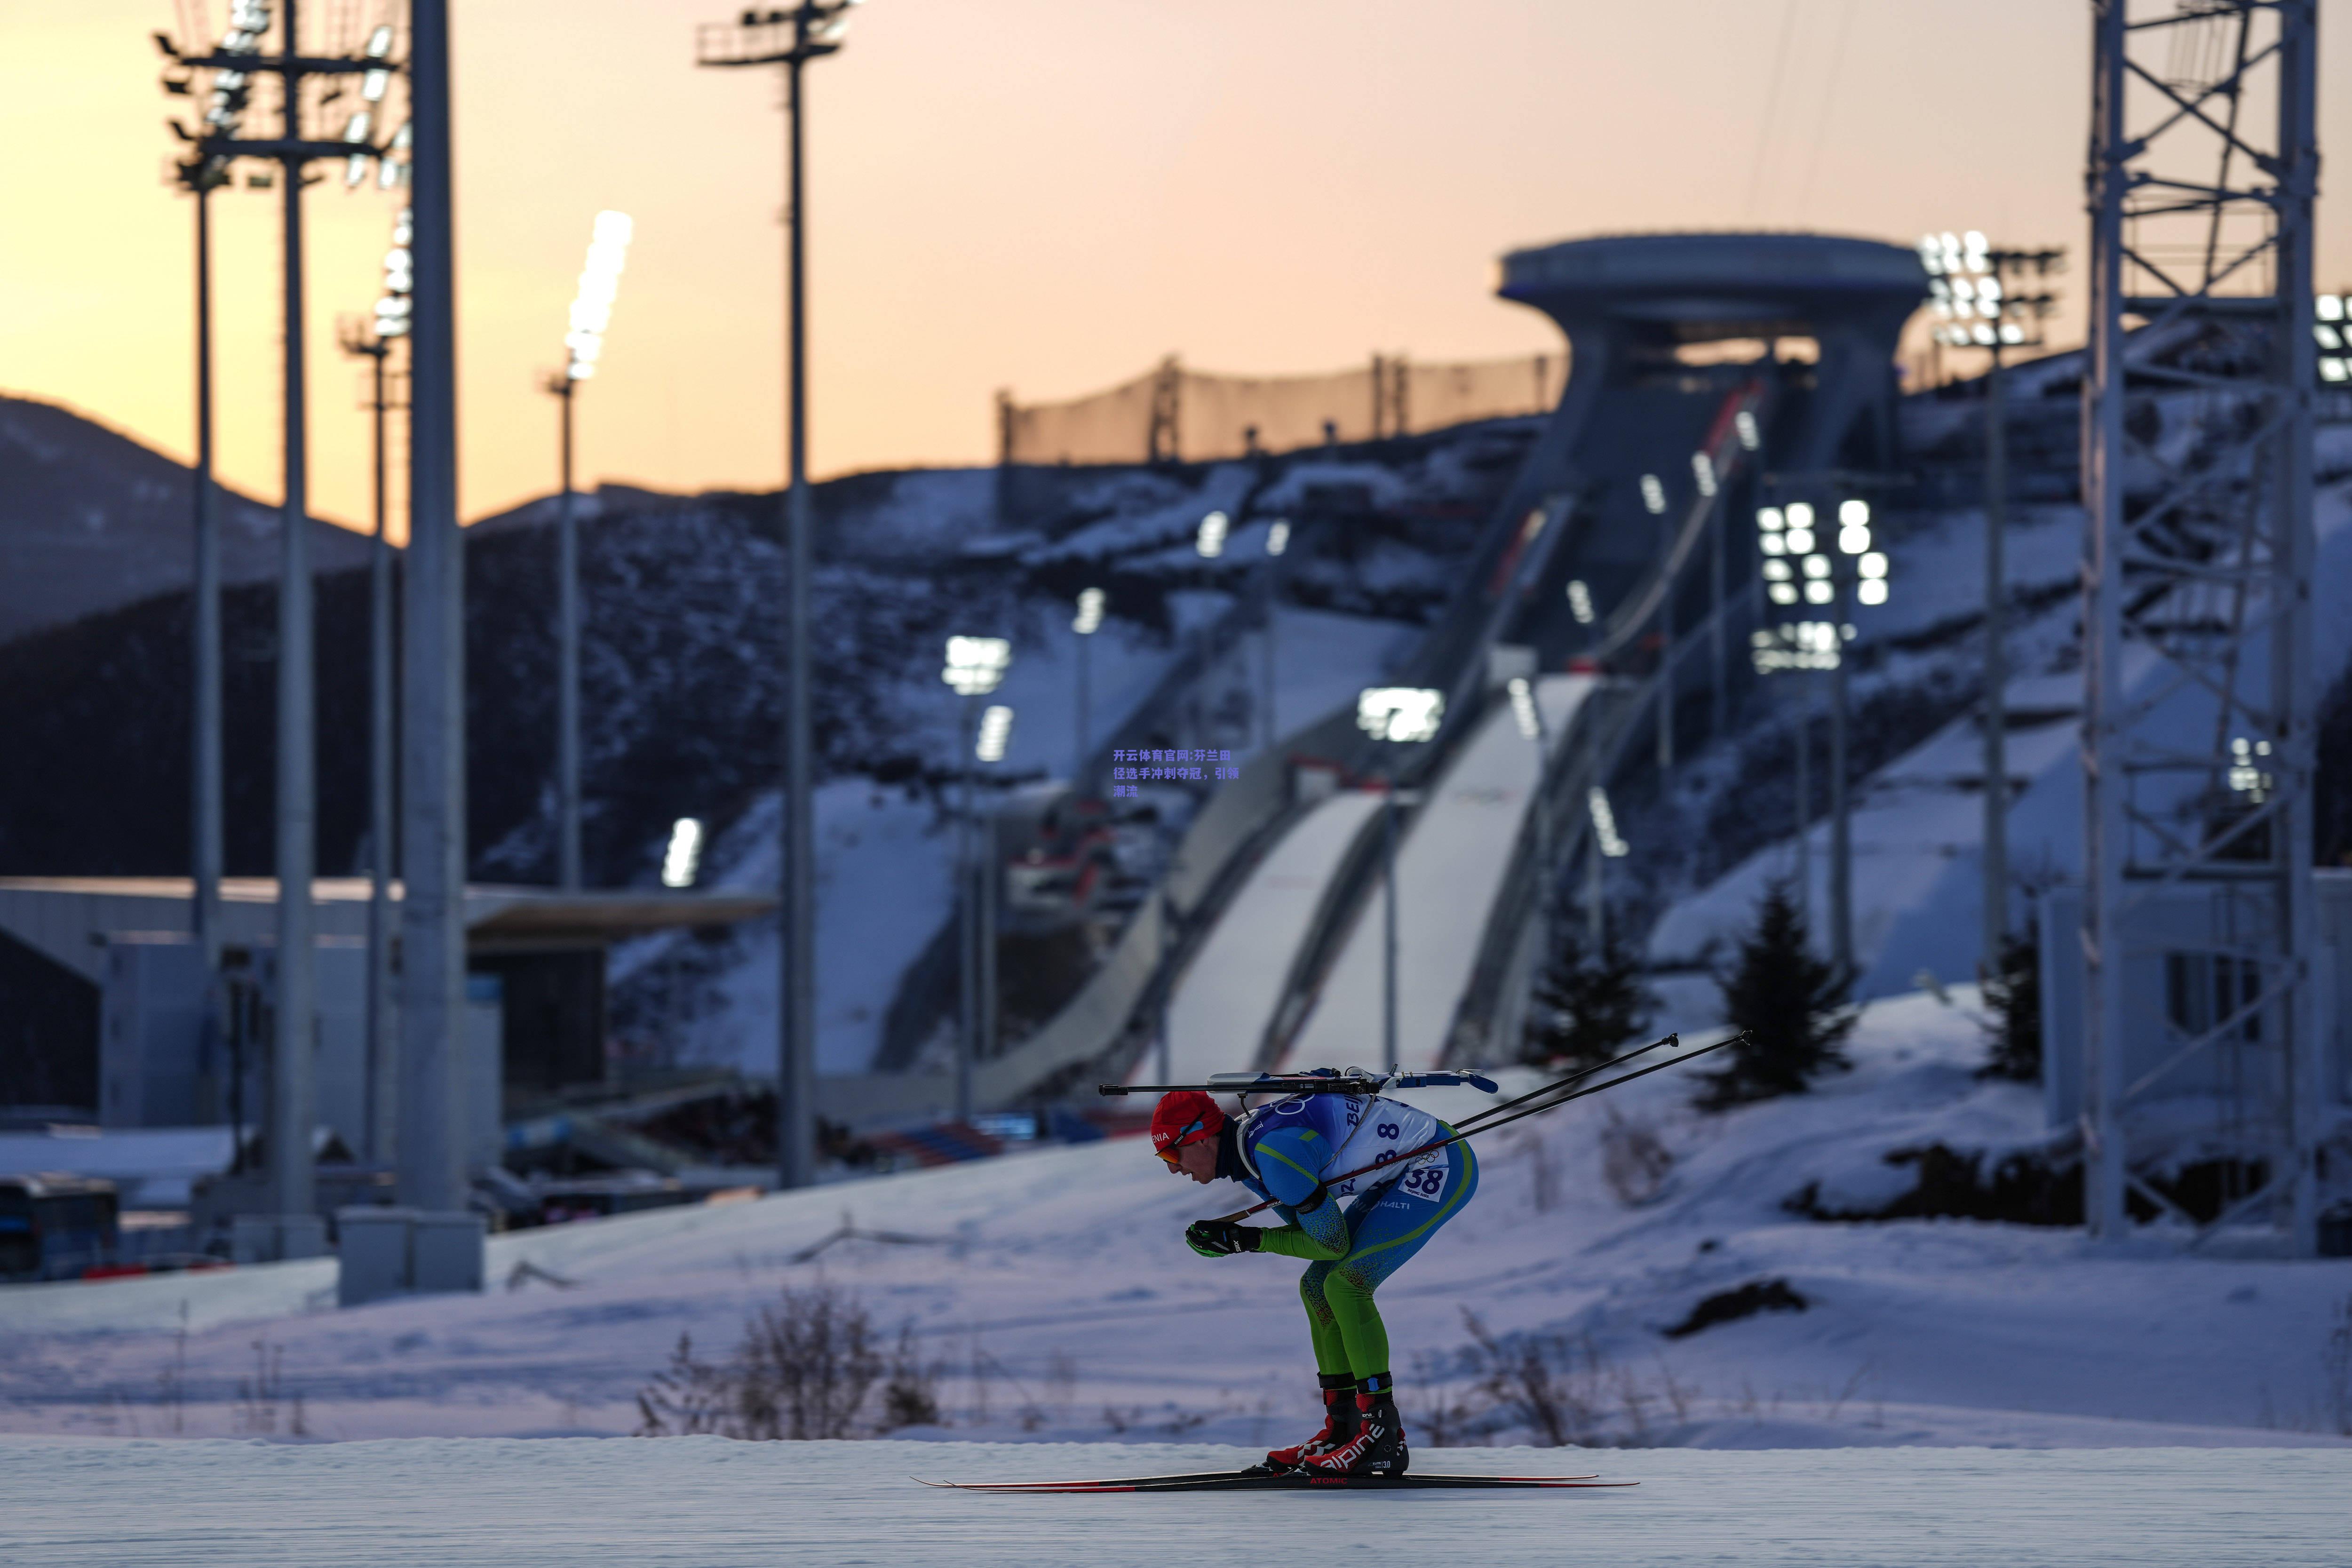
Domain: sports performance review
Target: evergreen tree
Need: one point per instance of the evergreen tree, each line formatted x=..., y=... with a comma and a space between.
x=1789, y=1003
x=1587, y=1004
x=2014, y=994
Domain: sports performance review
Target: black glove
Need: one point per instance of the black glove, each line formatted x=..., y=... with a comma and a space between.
x=1220, y=1237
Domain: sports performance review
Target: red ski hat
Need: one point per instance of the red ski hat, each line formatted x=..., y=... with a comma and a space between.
x=1184, y=1117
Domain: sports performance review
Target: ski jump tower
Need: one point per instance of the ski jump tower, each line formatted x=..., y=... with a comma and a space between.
x=2204, y=1024
x=1640, y=403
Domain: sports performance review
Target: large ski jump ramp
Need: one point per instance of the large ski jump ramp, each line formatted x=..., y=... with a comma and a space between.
x=1449, y=869
x=1222, y=1007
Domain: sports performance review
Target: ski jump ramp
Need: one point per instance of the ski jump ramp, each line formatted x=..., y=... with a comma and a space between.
x=1228, y=996
x=1451, y=865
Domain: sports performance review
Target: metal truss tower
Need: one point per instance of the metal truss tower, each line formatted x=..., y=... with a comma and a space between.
x=2200, y=1030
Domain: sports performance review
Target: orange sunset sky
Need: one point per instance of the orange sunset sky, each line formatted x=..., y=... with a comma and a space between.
x=1040, y=194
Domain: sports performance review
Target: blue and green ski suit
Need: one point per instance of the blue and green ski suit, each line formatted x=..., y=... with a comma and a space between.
x=1287, y=1150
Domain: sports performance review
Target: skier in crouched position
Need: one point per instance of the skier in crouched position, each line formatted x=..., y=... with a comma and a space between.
x=1294, y=1153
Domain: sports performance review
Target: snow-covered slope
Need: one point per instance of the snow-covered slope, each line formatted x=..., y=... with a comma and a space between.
x=1054, y=1290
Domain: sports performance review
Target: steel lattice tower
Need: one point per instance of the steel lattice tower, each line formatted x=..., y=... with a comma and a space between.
x=2197, y=732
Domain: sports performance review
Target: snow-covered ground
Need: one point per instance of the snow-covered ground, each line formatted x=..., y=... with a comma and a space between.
x=710, y=1503
x=1055, y=1295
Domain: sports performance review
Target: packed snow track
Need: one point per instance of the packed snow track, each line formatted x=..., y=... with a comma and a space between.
x=713, y=1503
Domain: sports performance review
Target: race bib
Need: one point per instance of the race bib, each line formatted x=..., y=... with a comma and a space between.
x=1426, y=1182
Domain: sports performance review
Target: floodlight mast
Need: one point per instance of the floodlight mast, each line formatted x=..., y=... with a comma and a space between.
x=382, y=1083
x=200, y=173
x=292, y=1177
x=792, y=38
x=584, y=343
x=1407, y=715
x=1977, y=308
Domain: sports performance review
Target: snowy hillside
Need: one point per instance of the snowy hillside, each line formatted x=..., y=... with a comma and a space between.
x=1054, y=1297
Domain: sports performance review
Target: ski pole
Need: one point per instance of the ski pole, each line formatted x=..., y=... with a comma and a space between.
x=1492, y=1121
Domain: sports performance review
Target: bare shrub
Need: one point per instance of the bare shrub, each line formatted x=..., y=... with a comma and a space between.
x=806, y=1366
x=1440, y=1412
x=1634, y=1160
x=910, y=1387
x=1548, y=1383
x=688, y=1398
x=803, y=1371
x=1062, y=1380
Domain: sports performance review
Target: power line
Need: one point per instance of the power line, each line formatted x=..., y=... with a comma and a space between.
x=1829, y=106
x=1772, y=108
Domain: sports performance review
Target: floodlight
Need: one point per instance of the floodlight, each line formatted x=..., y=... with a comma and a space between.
x=1818, y=591
x=1817, y=565
x=372, y=84
x=2010, y=332
x=1580, y=602
x=1781, y=593
x=1964, y=290
x=356, y=128
x=600, y=280
x=1400, y=712
x=2335, y=370
x=1776, y=571
x=684, y=855
x=1278, y=536
x=1090, y=612
x=1931, y=255
x=1210, y=541
x=1745, y=422
x=1872, y=565
x=976, y=666
x=1523, y=708
x=2329, y=337
x=1853, y=511
x=1982, y=336
x=2330, y=308
x=1800, y=539
x=1988, y=287
x=995, y=729
x=1773, y=544
x=1604, y=823
x=1653, y=494
x=1703, y=470
x=1768, y=518
x=1801, y=515
x=1853, y=539
x=1871, y=591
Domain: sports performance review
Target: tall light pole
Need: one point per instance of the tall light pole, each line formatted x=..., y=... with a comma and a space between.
x=1084, y=625
x=592, y=313
x=1403, y=715
x=226, y=96
x=988, y=749
x=1277, y=542
x=1800, y=568
x=974, y=667
x=433, y=648
x=292, y=1185
x=792, y=38
x=1976, y=307
x=382, y=1083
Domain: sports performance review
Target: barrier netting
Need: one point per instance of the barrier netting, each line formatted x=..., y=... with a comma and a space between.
x=1171, y=413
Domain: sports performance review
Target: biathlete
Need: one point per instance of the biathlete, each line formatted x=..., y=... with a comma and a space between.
x=1289, y=1151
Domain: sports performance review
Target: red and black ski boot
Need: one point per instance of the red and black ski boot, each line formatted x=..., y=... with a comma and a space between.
x=1378, y=1447
x=1339, y=1423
